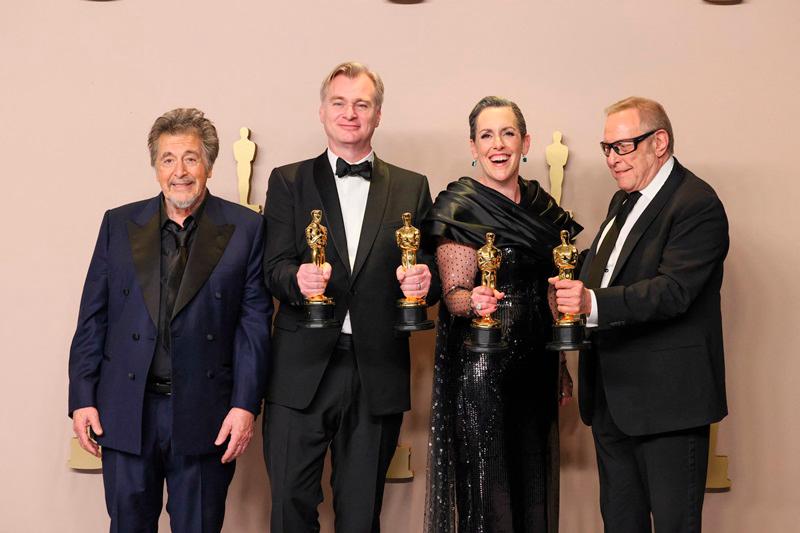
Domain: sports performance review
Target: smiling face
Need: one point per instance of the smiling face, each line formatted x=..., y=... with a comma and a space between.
x=349, y=114
x=181, y=170
x=498, y=145
x=634, y=171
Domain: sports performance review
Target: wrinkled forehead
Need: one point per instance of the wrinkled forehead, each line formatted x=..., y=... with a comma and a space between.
x=622, y=125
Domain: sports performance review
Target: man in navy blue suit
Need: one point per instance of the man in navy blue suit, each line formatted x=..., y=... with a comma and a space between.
x=168, y=363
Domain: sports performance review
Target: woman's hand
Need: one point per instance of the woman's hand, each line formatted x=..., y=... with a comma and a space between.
x=484, y=300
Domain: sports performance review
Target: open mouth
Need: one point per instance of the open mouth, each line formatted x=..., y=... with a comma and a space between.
x=499, y=159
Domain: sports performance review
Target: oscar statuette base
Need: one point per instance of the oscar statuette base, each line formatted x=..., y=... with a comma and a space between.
x=319, y=314
x=412, y=317
x=568, y=337
x=485, y=340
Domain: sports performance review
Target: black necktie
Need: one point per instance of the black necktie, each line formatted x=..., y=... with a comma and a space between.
x=600, y=260
x=177, y=266
x=363, y=169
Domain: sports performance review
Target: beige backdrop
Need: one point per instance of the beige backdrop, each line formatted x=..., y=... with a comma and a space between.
x=82, y=82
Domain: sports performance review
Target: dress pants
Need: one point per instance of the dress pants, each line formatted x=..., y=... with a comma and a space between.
x=362, y=446
x=196, y=484
x=662, y=474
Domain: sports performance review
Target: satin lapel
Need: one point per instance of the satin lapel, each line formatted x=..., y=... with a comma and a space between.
x=207, y=249
x=331, y=209
x=373, y=214
x=144, y=235
x=647, y=217
x=616, y=203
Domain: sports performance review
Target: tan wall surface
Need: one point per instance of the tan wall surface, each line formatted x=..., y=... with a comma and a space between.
x=81, y=83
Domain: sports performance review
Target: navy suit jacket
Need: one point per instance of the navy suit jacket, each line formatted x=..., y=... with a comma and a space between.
x=220, y=325
x=658, y=346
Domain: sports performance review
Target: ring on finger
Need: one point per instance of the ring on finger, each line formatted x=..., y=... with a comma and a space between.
x=419, y=286
x=479, y=306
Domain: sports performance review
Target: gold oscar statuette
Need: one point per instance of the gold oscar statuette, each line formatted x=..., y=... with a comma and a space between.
x=569, y=331
x=244, y=151
x=319, y=308
x=412, y=310
x=486, y=335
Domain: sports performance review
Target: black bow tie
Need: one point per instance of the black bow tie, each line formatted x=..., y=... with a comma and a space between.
x=363, y=169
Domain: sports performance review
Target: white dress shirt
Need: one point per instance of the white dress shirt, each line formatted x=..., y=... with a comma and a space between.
x=648, y=193
x=353, y=192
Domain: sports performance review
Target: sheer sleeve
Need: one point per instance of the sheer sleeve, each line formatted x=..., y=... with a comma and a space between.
x=457, y=268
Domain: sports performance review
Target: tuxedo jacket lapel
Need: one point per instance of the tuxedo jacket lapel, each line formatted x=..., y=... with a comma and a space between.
x=207, y=249
x=647, y=217
x=331, y=208
x=373, y=214
x=144, y=235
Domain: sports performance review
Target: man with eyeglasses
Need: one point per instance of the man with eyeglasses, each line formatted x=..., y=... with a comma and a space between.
x=654, y=379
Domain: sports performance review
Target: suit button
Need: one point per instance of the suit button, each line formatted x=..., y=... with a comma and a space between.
x=210, y=337
x=218, y=295
x=131, y=376
x=126, y=291
x=135, y=336
x=210, y=374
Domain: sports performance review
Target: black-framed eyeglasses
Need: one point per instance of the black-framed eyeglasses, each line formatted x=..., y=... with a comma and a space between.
x=625, y=146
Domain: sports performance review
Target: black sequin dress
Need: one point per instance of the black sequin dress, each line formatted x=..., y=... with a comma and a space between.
x=493, y=448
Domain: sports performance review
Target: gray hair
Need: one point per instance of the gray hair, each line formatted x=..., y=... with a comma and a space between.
x=352, y=70
x=651, y=115
x=496, y=101
x=185, y=120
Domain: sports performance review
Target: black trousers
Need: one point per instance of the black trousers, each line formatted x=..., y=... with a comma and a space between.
x=662, y=474
x=362, y=446
x=196, y=484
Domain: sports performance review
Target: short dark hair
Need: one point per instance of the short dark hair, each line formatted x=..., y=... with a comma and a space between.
x=496, y=101
x=185, y=120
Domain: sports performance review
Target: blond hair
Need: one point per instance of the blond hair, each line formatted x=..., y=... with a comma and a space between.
x=651, y=115
x=352, y=70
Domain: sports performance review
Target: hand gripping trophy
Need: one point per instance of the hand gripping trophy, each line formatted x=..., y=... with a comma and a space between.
x=319, y=308
x=412, y=314
x=569, y=331
x=486, y=335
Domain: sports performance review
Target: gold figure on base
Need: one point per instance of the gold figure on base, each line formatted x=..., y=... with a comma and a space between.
x=556, y=155
x=486, y=333
x=319, y=308
x=412, y=313
x=569, y=330
x=244, y=151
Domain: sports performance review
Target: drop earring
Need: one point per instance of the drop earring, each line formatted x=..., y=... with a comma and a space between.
x=474, y=162
x=524, y=158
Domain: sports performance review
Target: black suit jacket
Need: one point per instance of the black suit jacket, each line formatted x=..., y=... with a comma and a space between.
x=659, y=341
x=219, y=325
x=369, y=291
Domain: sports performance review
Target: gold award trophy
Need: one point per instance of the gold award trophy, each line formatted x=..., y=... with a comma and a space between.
x=569, y=331
x=319, y=308
x=486, y=335
x=411, y=310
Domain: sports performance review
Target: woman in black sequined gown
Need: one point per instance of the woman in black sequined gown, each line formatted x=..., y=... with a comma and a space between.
x=493, y=453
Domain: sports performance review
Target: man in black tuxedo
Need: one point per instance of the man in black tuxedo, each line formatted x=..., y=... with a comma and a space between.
x=654, y=379
x=168, y=364
x=344, y=387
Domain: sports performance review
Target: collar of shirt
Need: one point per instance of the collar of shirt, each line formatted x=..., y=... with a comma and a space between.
x=659, y=180
x=195, y=216
x=333, y=157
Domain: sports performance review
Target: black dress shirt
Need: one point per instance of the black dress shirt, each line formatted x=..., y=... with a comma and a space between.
x=176, y=242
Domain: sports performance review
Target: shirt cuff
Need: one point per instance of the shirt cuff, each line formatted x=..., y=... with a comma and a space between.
x=592, y=319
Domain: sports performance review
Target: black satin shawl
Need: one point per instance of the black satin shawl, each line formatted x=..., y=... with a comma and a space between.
x=467, y=210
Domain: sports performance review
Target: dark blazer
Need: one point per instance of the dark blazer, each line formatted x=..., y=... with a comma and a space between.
x=220, y=325
x=369, y=292
x=659, y=340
